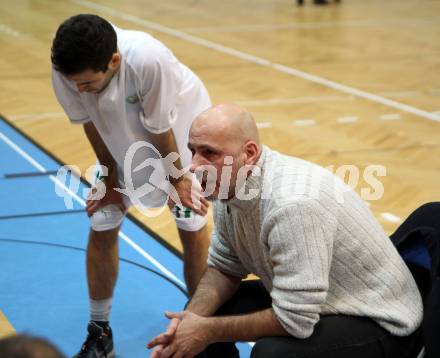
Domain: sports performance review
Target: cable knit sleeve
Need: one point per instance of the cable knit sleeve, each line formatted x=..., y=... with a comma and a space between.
x=222, y=254
x=300, y=250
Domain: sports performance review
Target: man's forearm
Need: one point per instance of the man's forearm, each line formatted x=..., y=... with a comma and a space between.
x=248, y=327
x=165, y=143
x=102, y=153
x=214, y=289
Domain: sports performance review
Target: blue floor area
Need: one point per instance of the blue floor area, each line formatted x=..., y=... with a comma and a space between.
x=42, y=260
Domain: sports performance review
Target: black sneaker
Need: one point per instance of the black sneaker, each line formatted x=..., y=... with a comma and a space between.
x=99, y=343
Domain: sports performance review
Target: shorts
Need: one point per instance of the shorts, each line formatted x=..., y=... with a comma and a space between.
x=111, y=216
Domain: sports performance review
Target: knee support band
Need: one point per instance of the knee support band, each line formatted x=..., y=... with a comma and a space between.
x=107, y=218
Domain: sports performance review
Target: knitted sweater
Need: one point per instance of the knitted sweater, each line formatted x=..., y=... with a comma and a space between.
x=316, y=247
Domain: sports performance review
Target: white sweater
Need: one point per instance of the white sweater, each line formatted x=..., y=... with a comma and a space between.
x=316, y=247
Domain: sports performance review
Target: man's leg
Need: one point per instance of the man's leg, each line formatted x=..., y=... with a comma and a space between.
x=102, y=271
x=423, y=226
x=195, y=252
x=335, y=336
x=194, y=236
x=340, y=336
x=250, y=297
x=426, y=215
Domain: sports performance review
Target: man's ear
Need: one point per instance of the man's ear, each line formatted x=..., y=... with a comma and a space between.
x=252, y=152
x=115, y=61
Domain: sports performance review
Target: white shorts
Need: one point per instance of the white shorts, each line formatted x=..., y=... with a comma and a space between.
x=111, y=216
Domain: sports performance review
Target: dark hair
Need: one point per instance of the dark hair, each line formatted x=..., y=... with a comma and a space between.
x=25, y=346
x=83, y=42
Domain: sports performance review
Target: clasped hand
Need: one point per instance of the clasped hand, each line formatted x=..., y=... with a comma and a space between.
x=186, y=336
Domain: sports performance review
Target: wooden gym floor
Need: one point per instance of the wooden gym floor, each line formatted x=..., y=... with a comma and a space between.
x=351, y=84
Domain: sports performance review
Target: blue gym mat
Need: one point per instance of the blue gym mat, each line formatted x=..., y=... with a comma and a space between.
x=43, y=288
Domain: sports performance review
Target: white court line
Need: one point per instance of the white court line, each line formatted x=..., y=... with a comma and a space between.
x=263, y=125
x=390, y=117
x=320, y=99
x=258, y=60
x=306, y=25
x=21, y=152
x=294, y=100
x=347, y=119
x=10, y=31
x=391, y=218
x=269, y=27
x=244, y=103
x=130, y=242
x=304, y=122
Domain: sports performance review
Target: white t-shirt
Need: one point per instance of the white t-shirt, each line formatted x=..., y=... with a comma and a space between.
x=151, y=93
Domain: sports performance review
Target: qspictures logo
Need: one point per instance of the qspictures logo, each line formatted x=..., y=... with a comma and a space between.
x=145, y=190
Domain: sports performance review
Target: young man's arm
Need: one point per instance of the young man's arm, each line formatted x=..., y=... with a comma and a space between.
x=165, y=143
x=99, y=147
x=105, y=159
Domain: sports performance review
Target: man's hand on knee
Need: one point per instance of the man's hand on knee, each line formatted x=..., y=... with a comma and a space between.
x=111, y=197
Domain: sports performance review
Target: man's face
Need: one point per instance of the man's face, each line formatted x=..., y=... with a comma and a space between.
x=91, y=81
x=216, y=162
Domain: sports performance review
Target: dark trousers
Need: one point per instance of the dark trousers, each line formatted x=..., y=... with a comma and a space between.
x=334, y=336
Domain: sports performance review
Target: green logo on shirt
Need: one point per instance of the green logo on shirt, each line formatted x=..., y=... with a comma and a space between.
x=132, y=99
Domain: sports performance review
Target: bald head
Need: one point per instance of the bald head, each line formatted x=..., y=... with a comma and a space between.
x=224, y=136
x=228, y=122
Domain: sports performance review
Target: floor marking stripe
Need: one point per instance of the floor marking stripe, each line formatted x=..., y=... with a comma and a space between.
x=28, y=174
x=304, y=122
x=308, y=25
x=47, y=213
x=347, y=119
x=295, y=100
x=391, y=218
x=10, y=31
x=390, y=117
x=262, y=125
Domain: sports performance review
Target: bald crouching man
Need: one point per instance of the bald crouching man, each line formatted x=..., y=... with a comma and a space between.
x=331, y=282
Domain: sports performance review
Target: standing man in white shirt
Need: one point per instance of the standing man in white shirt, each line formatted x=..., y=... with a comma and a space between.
x=125, y=87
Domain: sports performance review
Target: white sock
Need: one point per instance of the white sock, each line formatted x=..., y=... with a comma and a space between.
x=100, y=309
